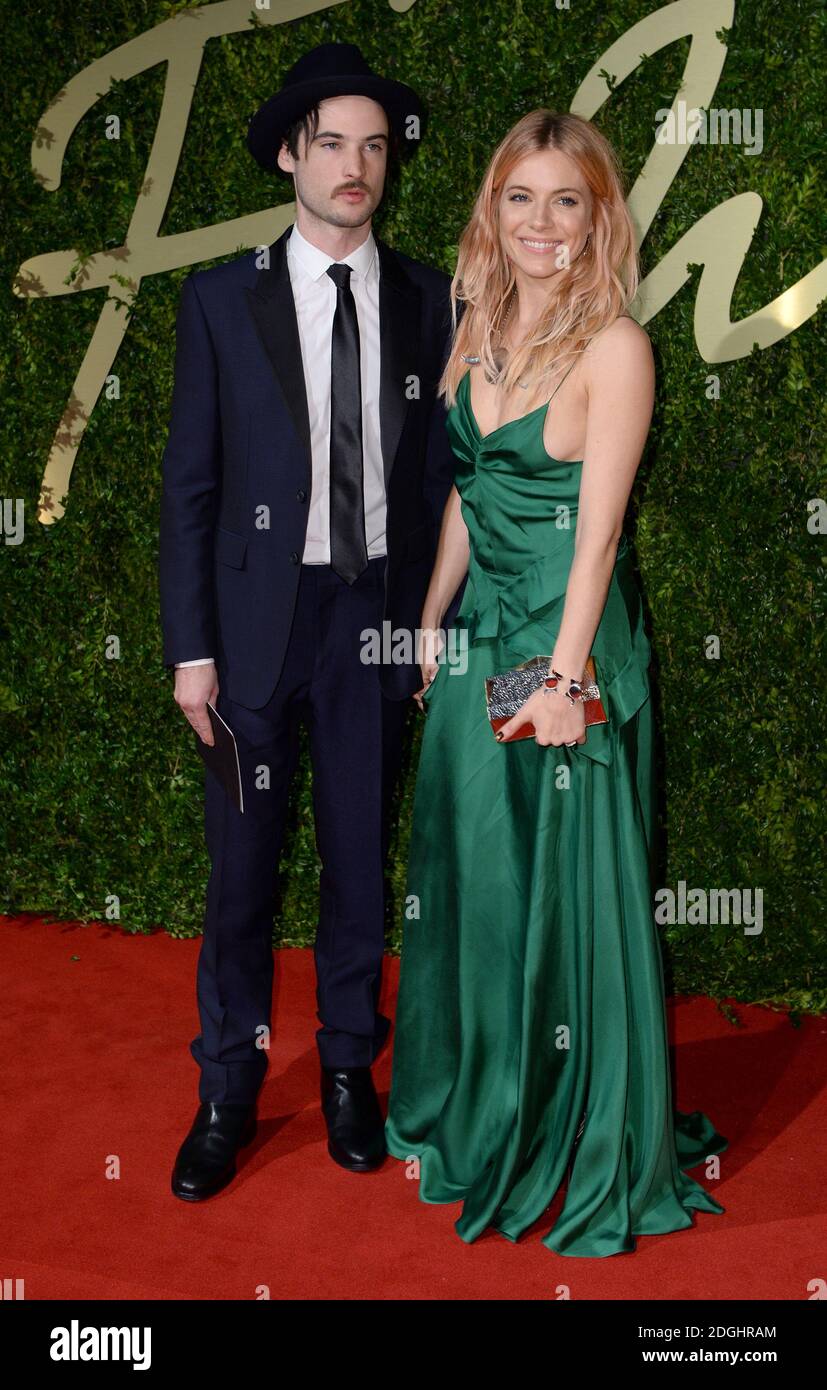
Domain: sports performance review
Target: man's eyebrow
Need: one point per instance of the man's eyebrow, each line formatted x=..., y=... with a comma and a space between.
x=337, y=135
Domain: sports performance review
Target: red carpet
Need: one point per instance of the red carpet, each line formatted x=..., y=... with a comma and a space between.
x=97, y=1071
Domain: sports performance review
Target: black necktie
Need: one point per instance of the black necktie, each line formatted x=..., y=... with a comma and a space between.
x=348, y=548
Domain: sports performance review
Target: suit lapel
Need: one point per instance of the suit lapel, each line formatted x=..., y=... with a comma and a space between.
x=274, y=311
x=399, y=315
x=273, y=308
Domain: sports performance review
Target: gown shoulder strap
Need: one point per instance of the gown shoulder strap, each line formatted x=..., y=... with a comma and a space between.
x=562, y=379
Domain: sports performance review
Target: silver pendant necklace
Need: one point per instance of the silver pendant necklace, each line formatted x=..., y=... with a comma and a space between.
x=499, y=353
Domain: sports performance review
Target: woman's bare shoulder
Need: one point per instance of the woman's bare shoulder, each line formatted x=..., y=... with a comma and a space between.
x=622, y=334
x=620, y=368
x=622, y=350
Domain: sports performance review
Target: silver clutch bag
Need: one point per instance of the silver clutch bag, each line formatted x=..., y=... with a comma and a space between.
x=507, y=691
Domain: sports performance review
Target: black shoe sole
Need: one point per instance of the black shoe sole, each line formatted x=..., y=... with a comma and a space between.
x=247, y=1138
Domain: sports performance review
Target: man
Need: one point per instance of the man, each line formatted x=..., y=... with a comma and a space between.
x=304, y=479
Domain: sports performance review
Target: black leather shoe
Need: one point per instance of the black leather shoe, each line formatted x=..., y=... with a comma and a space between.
x=206, y=1159
x=355, y=1127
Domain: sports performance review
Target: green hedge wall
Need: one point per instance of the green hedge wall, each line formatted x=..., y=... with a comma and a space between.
x=100, y=782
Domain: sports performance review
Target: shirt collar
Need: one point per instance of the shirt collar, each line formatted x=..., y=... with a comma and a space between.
x=315, y=262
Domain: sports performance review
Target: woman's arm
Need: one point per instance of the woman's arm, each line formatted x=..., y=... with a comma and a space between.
x=450, y=568
x=620, y=383
x=451, y=563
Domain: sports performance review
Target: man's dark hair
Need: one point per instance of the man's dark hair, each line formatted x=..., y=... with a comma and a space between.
x=309, y=123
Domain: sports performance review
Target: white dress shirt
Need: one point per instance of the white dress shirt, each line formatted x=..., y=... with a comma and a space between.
x=314, y=294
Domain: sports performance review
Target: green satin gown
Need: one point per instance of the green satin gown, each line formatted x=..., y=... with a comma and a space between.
x=531, y=987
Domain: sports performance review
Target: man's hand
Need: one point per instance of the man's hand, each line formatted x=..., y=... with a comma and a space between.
x=194, y=686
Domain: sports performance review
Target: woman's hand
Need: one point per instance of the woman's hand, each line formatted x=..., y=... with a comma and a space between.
x=556, y=720
x=430, y=645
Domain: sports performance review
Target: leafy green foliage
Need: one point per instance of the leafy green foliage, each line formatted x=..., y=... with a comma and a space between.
x=100, y=781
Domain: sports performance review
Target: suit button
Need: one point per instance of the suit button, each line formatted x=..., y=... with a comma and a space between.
x=300, y=495
x=294, y=557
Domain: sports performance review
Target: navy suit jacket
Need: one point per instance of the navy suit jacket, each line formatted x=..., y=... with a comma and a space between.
x=239, y=443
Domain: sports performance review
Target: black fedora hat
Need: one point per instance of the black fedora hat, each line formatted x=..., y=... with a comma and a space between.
x=331, y=70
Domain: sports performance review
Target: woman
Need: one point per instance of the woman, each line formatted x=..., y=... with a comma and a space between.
x=531, y=1023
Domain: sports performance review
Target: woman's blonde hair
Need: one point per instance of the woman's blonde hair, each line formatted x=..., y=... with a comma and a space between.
x=586, y=296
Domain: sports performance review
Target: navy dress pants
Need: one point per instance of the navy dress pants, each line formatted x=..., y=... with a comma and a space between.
x=355, y=737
